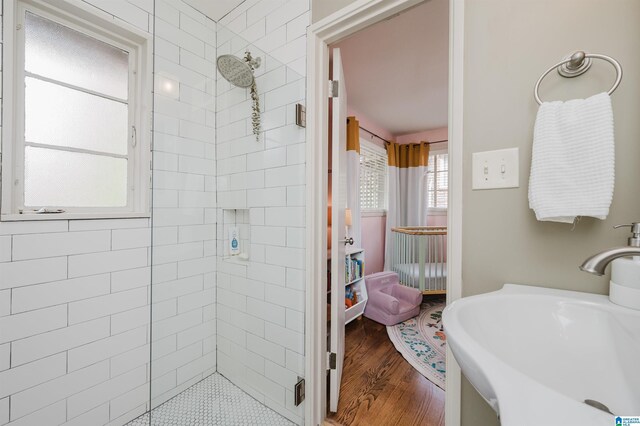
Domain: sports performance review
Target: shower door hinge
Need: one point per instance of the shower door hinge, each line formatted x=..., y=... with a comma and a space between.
x=301, y=115
x=331, y=360
x=298, y=392
x=333, y=88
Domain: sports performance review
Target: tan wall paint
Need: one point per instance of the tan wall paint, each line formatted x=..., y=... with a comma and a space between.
x=322, y=8
x=508, y=44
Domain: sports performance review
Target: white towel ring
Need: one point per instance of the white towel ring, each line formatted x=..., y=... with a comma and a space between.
x=577, y=64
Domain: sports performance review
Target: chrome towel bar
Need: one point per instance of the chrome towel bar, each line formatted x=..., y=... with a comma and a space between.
x=577, y=64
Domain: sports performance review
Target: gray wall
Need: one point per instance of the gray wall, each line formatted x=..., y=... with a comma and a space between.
x=507, y=46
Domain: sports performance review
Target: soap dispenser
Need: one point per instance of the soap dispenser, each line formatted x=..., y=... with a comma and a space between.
x=624, y=287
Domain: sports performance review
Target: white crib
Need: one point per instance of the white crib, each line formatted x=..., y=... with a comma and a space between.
x=419, y=257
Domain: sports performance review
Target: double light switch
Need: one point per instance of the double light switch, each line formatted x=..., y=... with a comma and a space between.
x=495, y=169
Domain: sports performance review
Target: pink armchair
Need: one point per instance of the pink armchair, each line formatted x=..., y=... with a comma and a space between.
x=390, y=302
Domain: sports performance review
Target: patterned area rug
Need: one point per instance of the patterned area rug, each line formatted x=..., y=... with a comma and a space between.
x=422, y=343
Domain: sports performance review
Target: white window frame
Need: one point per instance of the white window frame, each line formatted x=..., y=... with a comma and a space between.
x=376, y=212
x=90, y=21
x=436, y=211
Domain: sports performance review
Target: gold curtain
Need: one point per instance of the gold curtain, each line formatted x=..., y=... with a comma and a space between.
x=407, y=155
x=353, y=135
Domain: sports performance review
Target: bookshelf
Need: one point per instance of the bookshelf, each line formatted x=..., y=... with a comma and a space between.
x=354, y=283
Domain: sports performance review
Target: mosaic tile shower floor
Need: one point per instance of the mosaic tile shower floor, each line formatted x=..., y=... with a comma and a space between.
x=211, y=402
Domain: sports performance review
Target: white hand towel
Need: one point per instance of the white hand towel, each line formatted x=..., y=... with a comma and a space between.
x=572, y=166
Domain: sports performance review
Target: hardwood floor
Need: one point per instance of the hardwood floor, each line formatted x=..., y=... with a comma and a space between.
x=379, y=387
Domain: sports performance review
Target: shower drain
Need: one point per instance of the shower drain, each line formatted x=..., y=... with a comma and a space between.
x=598, y=405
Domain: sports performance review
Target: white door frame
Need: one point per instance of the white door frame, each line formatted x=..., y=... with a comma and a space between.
x=356, y=16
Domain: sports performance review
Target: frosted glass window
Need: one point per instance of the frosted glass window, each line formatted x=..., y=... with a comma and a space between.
x=61, y=53
x=79, y=100
x=57, y=115
x=71, y=179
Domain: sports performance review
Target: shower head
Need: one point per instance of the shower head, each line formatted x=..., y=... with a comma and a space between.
x=236, y=71
x=239, y=72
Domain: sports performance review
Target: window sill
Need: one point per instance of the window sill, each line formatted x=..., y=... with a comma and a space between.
x=373, y=213
x=436, y=212
x=69, y=216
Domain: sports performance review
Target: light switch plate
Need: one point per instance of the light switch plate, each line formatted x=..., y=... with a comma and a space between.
x=495, y=169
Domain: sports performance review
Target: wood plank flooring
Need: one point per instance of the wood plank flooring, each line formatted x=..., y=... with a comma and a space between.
x=379, y=387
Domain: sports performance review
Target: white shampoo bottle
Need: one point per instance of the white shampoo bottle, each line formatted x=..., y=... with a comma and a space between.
x=234, y=241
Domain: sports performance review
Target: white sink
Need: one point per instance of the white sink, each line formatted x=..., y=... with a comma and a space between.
x=536, y=354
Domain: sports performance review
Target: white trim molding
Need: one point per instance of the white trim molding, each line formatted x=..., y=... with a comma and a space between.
x=454, y=211
x=352, y=18
x=437, y=212
x=373, y=213
x=316, y=235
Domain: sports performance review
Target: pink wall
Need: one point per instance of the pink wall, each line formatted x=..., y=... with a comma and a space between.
x=428, y=135
x=440, y=134
x=373, y=229
x=370, y=126
x=439, y=220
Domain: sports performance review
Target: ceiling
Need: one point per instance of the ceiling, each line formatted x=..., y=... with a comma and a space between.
x=396, y=71
x=214, y=9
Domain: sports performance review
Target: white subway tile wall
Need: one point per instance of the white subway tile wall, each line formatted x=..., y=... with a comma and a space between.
x=183, y=296
x=75, y=324
x=75, y=295
x=260, y=305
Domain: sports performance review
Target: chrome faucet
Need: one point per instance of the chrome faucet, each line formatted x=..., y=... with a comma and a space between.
x=597, y=263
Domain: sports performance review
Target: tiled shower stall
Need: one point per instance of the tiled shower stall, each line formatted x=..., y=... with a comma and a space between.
x=103, y=320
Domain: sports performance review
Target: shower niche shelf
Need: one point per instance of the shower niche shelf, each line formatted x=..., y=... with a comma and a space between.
x=240, y=219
